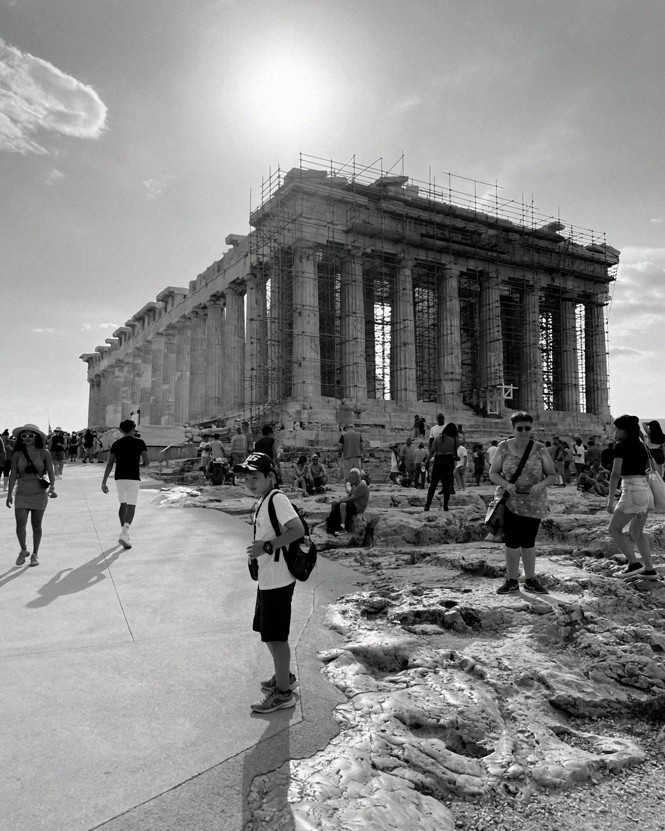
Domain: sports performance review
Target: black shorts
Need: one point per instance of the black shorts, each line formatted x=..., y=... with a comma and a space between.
x=519, y=531
x=272, y=614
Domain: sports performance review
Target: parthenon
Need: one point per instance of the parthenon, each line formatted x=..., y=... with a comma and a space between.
x=364, y=296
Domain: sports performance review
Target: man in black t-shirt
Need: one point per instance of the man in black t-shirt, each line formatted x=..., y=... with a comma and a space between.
x=127, y=454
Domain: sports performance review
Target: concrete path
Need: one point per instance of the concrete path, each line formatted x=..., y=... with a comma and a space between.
x=126, y=676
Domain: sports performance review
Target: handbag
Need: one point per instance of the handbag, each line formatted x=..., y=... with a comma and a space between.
x=656, y=485
x=496, y=509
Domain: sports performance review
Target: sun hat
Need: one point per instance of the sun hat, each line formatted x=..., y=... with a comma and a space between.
x=315, y=455
x=256, y=461
x=28, y=428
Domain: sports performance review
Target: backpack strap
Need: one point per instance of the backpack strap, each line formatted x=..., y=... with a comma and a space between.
x=272, y=514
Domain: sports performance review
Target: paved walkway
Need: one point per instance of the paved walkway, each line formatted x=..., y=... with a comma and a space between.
x=126, y=676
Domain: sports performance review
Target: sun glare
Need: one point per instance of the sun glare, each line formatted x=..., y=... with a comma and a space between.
x=282, y=90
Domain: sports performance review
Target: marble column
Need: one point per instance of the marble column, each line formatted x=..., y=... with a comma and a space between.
x=182, y=357
x=146, y=381
x=256, y=346
x=156, y=379
x=403, y=336
x=306, y=346
x=92, y=401
x=233, y=348
x=126, y=392
x=450, y=345
x=352, y=331
x=102, y=396
x=213, y=358
x=532, y=392
x=569, y=397
x=136, y=363
x=490, y=336
x=169, y=376
x=114, y=399
x=595, y=361
x=197, y=375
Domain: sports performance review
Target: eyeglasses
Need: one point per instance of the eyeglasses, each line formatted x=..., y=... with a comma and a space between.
x=28, y=435
x=526, y=428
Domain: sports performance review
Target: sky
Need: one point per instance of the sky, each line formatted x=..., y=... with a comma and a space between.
x=134, y=136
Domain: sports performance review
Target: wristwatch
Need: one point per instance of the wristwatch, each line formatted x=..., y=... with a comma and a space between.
x=267, y=547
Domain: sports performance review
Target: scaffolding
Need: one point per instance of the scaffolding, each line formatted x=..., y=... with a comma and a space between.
x=380, y=216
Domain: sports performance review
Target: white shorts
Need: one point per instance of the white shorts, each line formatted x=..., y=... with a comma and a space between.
x=128, y=490
x=636, y=496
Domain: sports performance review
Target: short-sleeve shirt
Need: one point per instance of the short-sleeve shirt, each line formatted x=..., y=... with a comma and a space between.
x=633, y=454
x=359, y=495
x=352, y=444
x=273, y=574
x=533, y=472
x=436, y=430
x=462, y=455
x=127, y=452
x=592, y=454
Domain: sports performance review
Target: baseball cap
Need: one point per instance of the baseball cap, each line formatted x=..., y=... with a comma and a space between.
x=256, y=461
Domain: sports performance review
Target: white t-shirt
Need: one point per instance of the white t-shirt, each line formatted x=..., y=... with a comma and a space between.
x=436, y=430
x=578, y=453
x=491, y=450
x=273, y=575
x=462, y=454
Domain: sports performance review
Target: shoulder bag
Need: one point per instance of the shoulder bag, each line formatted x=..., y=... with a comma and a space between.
x=30, y=468
x=495, y=511
x=656, y=484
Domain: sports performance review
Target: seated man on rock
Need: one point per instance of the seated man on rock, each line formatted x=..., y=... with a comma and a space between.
x=343, y=510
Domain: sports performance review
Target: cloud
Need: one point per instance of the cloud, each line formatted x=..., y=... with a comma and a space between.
x=53, y=176
x=156, y=187
x=109, y=326
x=86, y=327
x=628, y=352
x=43, y=331
x=656, y=221
x=37, y=96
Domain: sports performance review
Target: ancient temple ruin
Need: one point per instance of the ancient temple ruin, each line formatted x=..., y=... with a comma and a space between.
x=361, y=295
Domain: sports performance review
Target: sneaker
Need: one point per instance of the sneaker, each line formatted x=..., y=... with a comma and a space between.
x=508, y=586
x=632, y=570
x=22, y=557
x=534, y=586
x=275, y=700
x=123, y=539
x=270, y=684
x=341, y=532
x=34, y=560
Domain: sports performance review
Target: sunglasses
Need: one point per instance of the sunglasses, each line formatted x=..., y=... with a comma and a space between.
x=526, y=428
x=28, y=435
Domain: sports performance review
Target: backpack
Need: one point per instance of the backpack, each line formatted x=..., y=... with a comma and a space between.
x=300, y=556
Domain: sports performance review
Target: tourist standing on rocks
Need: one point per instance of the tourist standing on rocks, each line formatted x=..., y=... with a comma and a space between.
x=527, y=500
x=272, y=613
x=478, y=463
x=408, y=458
x=442, y=453
x=421, y=470
x=631, y=461
x=655, y=442
x=351, y=450
x=126, y=453
x=579, y=452
x=436, y=429
x=461, y=464
x=30, y=461
x=238, y=447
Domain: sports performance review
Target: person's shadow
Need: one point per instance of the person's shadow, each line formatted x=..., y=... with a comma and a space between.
x=12, y=574
x=272, y=751
x=72, y=580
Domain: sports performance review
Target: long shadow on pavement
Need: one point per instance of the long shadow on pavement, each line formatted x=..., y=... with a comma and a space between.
x=12, y=574
x=270, y=756
x=72, y=580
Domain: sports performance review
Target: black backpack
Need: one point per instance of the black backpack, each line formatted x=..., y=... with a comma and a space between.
x=301, y=554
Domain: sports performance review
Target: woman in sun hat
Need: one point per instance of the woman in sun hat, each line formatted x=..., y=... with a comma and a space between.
x=30, y=461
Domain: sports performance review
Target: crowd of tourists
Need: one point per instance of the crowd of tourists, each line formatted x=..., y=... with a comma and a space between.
x=521, y=468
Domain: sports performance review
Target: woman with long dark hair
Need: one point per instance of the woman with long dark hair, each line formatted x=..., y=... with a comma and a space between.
x=631, y=461
x=443, y=451
x=30, y=461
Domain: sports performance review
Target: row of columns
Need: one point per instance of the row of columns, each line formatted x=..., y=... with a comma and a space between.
x=215, y=359
x=190, y=371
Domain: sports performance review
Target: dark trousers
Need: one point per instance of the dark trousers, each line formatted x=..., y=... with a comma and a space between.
x=442, y=471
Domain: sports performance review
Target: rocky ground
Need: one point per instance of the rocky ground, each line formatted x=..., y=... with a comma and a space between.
x=467, y=709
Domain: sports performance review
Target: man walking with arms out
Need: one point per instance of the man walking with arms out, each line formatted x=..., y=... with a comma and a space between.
x=127, y=454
